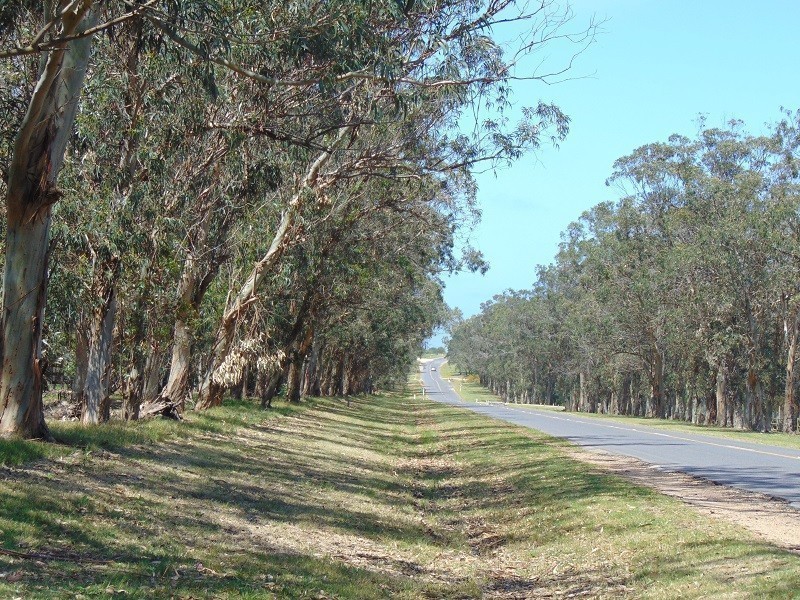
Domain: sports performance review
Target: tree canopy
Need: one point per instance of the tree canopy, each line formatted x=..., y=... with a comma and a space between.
x=224, y=195
x=679, y=300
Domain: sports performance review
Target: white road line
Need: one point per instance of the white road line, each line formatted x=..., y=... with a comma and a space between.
x=658, y=433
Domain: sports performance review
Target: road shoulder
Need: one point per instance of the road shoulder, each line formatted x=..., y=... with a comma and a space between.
x=772, y=519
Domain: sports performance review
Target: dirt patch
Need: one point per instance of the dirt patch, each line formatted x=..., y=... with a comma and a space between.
x=772, y=519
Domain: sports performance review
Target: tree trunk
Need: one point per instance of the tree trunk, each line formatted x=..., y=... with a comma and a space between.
x=721, y=394
x=81, y=368
x=36, y=160
x=96, y=408
x=246, y=381
x=211, y=391
x=755, y=390
x=261, y=383
x=293, y=379
x=196, y=277
x=311, y=385
x=153, y=369
x=614, y=402
x=170, y=402
x=342, y=387
x=142, y=347
x=656, y=408
x=177, y=388
x=299, y=351
x=329, y=378
x=271, y=389
x=132, y=394
x=790, y=405
x=583, y=399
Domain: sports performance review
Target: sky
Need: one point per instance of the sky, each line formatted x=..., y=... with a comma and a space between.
x=654, y=68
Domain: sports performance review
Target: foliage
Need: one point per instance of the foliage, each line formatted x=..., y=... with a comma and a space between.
x=678, y=300
x=252, y=193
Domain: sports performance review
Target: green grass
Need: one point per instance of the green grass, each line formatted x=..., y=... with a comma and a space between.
x=390, y=497
x=471, y=390
x=784, y=440
x=15, y=452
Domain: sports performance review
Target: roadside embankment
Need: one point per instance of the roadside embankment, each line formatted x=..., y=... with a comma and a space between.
x=389, y=497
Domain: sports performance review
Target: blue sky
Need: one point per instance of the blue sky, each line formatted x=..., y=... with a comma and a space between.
x=654, y=69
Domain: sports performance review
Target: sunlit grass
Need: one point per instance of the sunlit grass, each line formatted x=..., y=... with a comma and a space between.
x=15, y=452
x=775, y=438
x=384, y=497
x=469, y=389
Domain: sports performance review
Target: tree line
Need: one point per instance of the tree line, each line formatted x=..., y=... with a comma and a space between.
x=216, y=196
x=680, y=300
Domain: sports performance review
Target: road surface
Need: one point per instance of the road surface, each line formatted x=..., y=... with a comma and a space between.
x=760, y=468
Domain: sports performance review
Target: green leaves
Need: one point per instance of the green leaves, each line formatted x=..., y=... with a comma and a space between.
x=680, y=282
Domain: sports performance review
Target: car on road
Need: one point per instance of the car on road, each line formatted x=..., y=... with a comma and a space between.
x=433, y=368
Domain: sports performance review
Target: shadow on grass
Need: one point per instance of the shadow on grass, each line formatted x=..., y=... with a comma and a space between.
x=17, y=452
x=198, y=508
x=144, y=517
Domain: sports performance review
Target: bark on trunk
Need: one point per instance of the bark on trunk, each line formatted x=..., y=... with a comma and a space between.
x=656, y=408
x=583, y=400
x=758, y=421
x=790, y=405
x=271, y=389
x=96, y=406
x=177, y=388
x=141, y=346
x=170, y=402
x=81, y=368
x=36, y=160
x=293, y=380
x=721, y=395
x=313, y=376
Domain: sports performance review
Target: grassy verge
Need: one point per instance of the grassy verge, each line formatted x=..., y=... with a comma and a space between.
x=784, y=440
x=473, y=391
x=389, y=497
x=469, y=390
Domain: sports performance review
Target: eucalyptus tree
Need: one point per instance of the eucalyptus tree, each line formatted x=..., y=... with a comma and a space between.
x=308, y=54
x=36, y=158
x=408, y=149
x=355, y=217
x=682, y=292
x=786, y=233
x=718, y=202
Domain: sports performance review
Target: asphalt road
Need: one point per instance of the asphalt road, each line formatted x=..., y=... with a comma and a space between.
x=756, y=467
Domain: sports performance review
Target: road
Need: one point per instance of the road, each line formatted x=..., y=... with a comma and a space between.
x=760, y=468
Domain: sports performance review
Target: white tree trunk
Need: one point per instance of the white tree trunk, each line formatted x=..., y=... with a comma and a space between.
x=37, y=157
x=95, y=397
x=210, y=392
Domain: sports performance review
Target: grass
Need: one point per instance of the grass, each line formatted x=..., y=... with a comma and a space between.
x=469, y=389
x=389, y=497
x=784, y=440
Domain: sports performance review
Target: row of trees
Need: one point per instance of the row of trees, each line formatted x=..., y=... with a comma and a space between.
x=222, y=194
x=681, y=300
